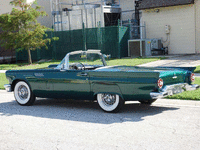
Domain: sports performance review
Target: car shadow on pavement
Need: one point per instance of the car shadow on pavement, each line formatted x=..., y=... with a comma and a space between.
x=82, y=111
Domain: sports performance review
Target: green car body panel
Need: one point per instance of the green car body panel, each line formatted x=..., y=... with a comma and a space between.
x=131, y=83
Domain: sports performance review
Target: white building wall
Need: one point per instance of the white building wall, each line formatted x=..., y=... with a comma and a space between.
x=128, y=7
x=182, y=22
x=197, y=20
x=46, y=20
x=75, y=20
x=5, y=6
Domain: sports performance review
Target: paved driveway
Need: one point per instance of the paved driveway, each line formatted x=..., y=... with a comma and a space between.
x=178, y=61
x=61, y=125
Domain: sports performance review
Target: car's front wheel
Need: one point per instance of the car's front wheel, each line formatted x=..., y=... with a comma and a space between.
x=110, y=102
x=23, y=94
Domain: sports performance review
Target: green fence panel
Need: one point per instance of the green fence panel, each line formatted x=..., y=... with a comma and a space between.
x=124, y=35
x=110, y=40
x=110, y=43
x=23, y=55
x=91, y=38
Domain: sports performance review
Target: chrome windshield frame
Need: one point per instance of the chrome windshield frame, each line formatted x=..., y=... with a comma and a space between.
x=66, y=58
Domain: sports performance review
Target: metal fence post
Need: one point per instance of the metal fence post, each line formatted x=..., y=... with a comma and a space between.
x=16, y=54
x=54, y=47
x=129, y=26
x=99, y=35
x=84, y=38
x=119, y=48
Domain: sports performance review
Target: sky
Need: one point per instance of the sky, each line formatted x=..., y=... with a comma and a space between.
x=29, y=1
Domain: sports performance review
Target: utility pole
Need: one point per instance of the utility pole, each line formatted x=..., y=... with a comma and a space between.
x=137, y=13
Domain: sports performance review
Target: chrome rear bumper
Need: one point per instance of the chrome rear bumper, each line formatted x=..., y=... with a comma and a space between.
x=7, y=87
x=173, y=89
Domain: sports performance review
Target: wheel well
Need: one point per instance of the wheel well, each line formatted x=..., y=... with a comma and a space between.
x=95, y=95
x=14, y=83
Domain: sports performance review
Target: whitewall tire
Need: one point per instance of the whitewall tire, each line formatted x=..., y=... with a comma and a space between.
x=23, y=94
x=110, y=102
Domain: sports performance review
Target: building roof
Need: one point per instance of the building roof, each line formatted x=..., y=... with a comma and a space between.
x=147, y=4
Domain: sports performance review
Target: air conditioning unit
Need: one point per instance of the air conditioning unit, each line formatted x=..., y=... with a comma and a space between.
x=156, y=44
x=139, y=47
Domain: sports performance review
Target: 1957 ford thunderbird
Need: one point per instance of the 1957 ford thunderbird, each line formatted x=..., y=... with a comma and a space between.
x=85, y=75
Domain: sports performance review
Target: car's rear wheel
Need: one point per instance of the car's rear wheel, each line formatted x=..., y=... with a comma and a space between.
x=110, y=102
x=147, y=102
x=23, y=94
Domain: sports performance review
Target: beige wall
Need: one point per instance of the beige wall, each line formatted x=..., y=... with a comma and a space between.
x=127, y=5
x=197, y=18
x=46, y=21
x=75, y=20
x=76, y=15
x=182, y=22
x=5, y=6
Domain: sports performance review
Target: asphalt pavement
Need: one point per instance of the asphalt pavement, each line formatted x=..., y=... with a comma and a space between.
x=176, y=61
x=61, y=125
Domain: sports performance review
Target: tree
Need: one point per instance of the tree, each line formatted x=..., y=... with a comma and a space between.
x=20, y=29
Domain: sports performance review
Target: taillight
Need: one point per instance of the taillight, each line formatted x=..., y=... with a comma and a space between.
x=160, y=83
x=192, y=78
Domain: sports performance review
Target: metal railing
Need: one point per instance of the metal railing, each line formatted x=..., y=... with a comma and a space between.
x=136, y=31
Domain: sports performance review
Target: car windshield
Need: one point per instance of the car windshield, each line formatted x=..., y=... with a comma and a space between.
x=86, y=59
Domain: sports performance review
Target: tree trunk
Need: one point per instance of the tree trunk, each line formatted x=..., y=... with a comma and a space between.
x=29, y=57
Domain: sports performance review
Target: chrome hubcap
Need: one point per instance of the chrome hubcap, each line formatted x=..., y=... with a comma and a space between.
x=23, y=92
x=108, y=99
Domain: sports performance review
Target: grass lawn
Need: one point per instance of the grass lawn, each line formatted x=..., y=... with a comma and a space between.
x=126, y=61
x=132, y=62
x=197, y=70
x=27, y=66
x=3, y=81
x=188, y=95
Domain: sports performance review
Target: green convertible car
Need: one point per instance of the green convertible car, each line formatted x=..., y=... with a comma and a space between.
x=85, y=75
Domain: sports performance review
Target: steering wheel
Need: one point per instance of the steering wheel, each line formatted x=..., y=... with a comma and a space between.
x=75, y=66
x=83, y=66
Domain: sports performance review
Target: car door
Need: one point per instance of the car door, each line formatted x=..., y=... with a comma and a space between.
x=70, y=84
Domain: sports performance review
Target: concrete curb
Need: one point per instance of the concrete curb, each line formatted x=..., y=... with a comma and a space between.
x=197, y=74
x=178, y=102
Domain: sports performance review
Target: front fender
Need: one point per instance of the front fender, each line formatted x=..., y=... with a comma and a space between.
x=14, y=76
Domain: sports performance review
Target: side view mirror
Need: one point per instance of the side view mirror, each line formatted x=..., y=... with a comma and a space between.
x=107, y=57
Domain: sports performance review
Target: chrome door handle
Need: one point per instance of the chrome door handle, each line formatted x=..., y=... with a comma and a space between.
x=174, y=77
x=84, y=74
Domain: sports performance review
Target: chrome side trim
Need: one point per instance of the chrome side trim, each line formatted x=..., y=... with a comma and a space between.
x=173, y=89
x=7, y=87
